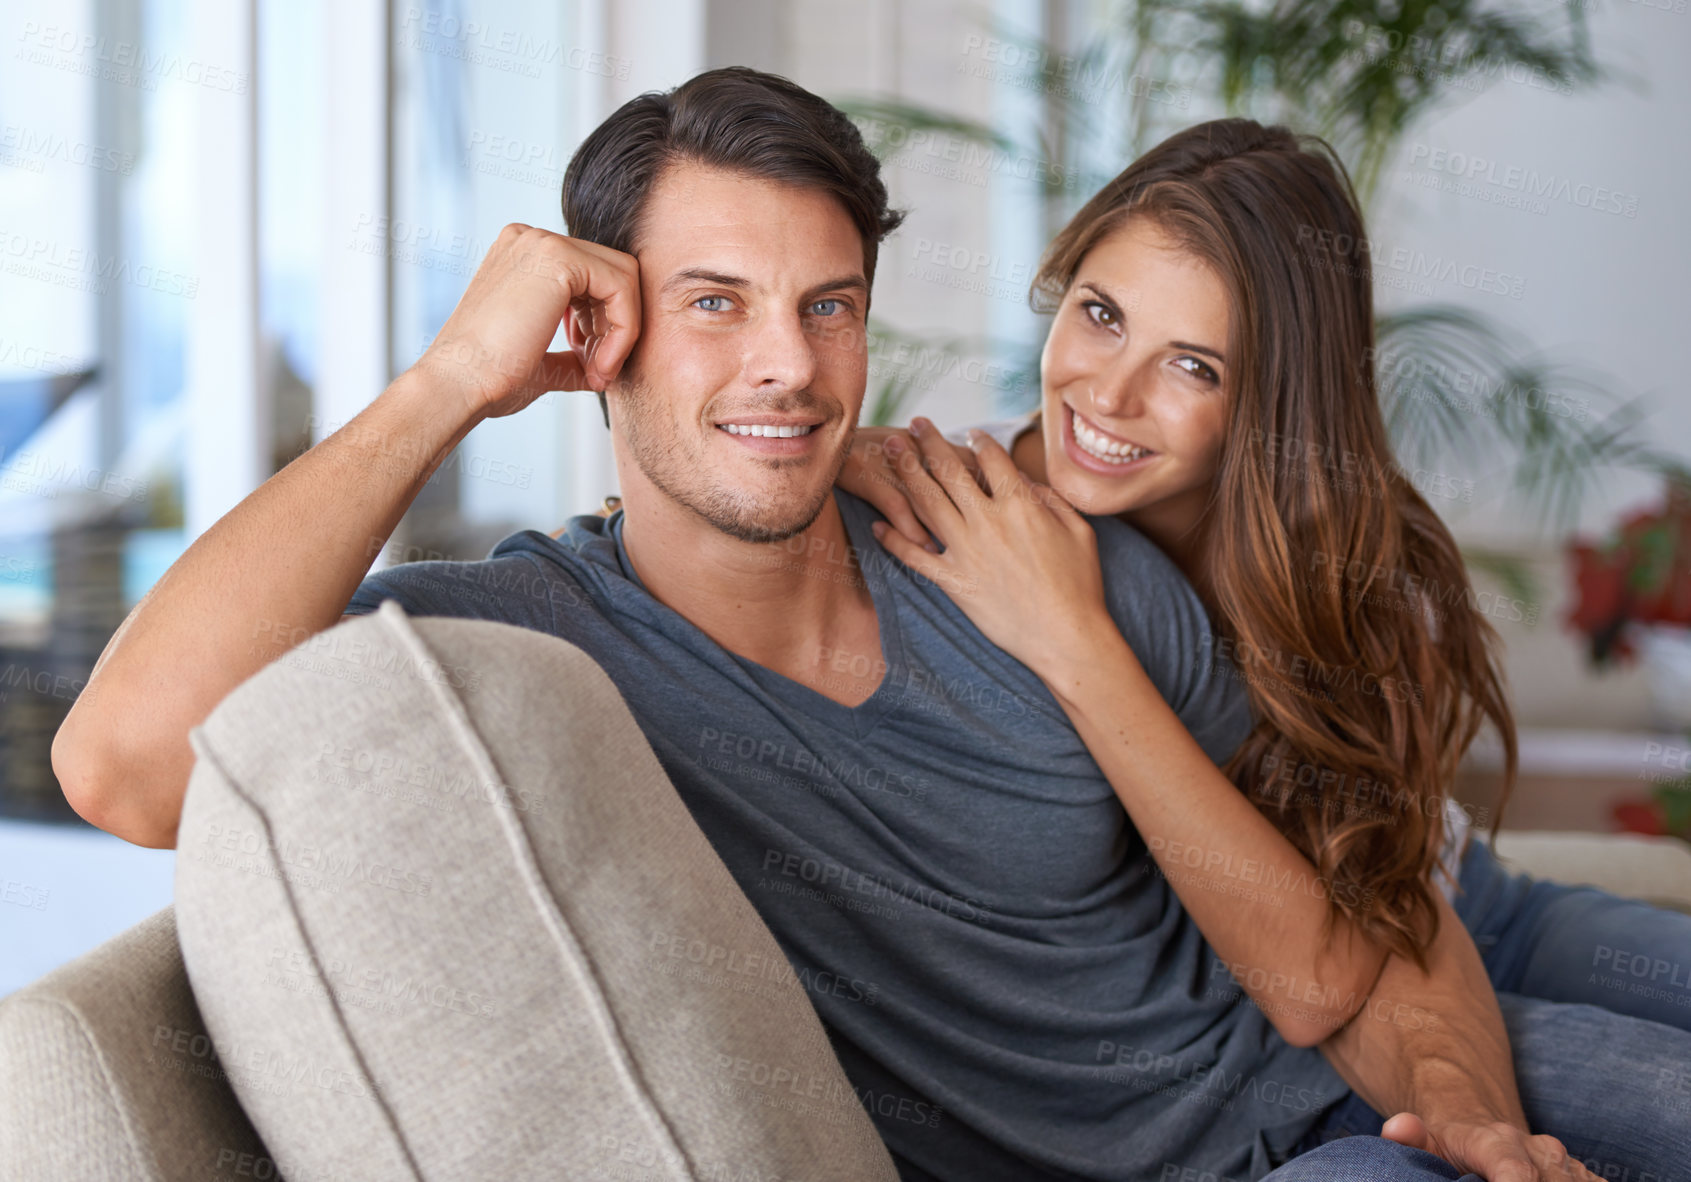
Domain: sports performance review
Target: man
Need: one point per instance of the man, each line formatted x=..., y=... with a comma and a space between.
x=905, y=805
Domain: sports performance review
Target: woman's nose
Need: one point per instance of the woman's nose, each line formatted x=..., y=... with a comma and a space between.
x=1118, y=395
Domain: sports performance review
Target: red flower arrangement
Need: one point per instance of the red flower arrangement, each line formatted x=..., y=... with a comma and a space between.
x=1641, y=575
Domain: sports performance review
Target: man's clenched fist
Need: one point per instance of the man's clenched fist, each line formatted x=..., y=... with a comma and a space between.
x=493, y=349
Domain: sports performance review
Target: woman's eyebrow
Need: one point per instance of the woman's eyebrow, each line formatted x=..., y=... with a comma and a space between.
x=1101, y=294
x=1187, y=345
x=1204, y=349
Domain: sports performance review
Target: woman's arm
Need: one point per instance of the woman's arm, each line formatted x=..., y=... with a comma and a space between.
x=1256, y=899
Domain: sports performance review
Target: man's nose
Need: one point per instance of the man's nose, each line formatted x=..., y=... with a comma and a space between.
x=780, y=354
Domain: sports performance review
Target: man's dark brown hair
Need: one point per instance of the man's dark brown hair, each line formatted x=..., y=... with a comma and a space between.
x=737, y=119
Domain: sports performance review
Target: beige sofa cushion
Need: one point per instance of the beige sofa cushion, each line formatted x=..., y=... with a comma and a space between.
x=420, y=875
x=106, y=1072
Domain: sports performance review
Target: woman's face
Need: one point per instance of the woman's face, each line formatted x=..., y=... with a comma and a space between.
x=1133, y=374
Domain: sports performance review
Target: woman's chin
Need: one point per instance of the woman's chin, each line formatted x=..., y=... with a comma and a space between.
x=1094, y=495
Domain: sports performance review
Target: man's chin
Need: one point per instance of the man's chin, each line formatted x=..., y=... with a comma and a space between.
x=762, y=520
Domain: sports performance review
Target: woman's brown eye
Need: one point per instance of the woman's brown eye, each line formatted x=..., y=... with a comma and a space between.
x=1200, y=370
x=1101, y=314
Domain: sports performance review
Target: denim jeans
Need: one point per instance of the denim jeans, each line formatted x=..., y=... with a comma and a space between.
x=1597, y=1003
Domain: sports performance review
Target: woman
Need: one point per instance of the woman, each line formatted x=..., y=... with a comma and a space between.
x=1208, y=378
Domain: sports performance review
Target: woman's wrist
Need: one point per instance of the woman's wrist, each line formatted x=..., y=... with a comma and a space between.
x=1093, y=654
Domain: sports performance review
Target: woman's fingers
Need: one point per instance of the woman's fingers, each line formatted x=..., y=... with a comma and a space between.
x=930, y=566
x=932, y=504
x=869, y=473
x=999, y=473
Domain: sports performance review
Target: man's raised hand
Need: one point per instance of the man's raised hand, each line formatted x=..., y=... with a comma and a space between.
x=493, y=350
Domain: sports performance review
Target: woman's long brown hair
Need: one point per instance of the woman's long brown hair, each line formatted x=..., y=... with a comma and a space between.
x=1343, y=599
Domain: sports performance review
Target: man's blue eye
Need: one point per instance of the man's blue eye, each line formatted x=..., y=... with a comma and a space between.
x=718, y=301
x=825, y=307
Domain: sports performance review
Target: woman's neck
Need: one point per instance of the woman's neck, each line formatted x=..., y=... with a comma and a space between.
x=1176, y=526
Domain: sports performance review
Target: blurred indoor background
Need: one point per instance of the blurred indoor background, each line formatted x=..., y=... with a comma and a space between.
x=225, y=225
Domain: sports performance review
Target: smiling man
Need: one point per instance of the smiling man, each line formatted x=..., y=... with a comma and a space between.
x=1010, y=987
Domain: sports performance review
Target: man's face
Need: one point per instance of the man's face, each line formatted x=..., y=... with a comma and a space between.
x=742, y=393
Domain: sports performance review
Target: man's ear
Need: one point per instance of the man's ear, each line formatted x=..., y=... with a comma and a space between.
x=575, y=328
x=575, y=332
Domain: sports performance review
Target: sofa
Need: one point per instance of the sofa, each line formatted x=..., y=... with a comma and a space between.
x=122, y=1064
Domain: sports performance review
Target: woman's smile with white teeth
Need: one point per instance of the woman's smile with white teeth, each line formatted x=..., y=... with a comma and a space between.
x=1096, y=443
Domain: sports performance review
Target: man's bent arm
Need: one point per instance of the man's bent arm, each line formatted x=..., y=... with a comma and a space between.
x=1423, y=1042
x=1433, y=1044
x=281, y=565
x=275, y=570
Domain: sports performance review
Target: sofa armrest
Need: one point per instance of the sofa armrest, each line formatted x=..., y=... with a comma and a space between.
x=106, y=1072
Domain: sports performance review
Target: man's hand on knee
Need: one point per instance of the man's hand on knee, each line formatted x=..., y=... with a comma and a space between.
x=1495, y=1150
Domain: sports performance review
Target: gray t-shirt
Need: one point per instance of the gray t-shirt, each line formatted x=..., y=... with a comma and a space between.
x=1010, y=983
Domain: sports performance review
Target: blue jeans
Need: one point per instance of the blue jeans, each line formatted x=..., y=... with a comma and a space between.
x=1597, y=1003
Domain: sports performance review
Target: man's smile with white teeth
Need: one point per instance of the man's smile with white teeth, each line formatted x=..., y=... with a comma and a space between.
x=767, y=429
x=1096, y=443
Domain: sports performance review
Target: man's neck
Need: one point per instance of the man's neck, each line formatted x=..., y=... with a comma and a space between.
x=783, y=605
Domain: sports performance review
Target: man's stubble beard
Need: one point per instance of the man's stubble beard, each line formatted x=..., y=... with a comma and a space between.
x=679, y=473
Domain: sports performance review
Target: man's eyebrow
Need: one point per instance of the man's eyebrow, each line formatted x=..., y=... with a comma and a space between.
x=704, y=275
x=701, y=275
x=1187, y=345
x=856, y=282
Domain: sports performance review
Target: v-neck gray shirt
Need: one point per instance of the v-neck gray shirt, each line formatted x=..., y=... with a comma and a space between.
x=1010, y=983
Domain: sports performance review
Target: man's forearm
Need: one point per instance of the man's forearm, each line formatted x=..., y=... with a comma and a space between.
x=276, y=569
x=1432, y=1043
